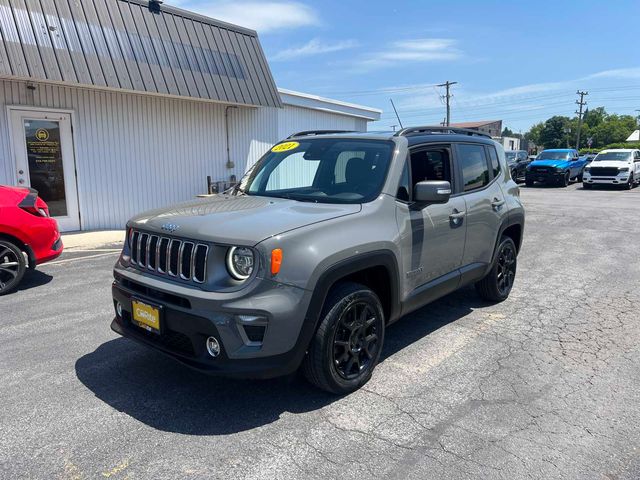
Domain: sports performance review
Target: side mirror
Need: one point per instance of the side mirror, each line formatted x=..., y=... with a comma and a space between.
x=432, y=191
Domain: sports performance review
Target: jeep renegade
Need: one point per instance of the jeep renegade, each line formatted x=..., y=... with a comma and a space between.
x=328, y=239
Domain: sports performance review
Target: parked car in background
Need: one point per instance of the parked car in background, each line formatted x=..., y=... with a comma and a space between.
x=555, y=167
x=329, y=239
x=28, y=236
x=517, y=161
x=614, y=167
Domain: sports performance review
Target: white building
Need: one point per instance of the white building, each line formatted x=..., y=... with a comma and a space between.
x=112, y=107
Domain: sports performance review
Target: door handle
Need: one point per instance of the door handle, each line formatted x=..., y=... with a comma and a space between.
x=497, y=203
x=456, y=217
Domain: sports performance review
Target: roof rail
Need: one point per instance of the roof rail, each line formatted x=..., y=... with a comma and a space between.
x=309, y=133
x=439, y=130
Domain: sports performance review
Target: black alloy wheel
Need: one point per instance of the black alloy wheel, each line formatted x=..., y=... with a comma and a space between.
x=348, y=342
x=12, y=266
x=356, y=341
x=497, y=284
x=506, y=266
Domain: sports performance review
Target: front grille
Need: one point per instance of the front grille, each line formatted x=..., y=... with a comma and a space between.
x=541, y=170
x=603, y=171
x=180, y=259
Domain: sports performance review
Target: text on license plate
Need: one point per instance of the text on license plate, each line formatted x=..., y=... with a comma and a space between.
x=146, y=316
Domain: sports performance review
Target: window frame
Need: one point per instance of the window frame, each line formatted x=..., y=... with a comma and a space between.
x=492, y=175
x=458, y=166
x=425, y=147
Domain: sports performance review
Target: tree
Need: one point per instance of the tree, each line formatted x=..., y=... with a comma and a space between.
x=555, y=132
x=533, y=134
x=604, y=129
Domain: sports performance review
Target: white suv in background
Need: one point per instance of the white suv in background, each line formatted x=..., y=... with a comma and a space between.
x=614, y=167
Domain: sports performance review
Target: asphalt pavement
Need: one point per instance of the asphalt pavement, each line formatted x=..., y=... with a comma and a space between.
x=544, y=385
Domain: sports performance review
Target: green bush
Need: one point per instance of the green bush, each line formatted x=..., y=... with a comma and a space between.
x=584, y=151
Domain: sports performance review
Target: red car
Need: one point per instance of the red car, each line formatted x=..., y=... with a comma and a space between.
x=28, y=236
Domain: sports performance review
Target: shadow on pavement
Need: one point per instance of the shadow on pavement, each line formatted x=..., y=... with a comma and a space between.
x=168, y=396
x=33, y=279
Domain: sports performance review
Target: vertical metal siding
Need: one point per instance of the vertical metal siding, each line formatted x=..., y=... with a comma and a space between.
x=296, y=119
x=121, y=44
x=136, y=152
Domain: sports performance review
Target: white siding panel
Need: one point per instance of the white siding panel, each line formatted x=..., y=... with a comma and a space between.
x=136, y=152
x=296, y=119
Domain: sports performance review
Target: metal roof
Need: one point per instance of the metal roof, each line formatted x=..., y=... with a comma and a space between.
x=122, y=44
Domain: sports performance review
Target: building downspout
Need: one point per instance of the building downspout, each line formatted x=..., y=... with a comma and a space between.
x=230, y=164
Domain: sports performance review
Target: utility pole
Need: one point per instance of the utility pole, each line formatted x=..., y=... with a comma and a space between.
x=447, y=98
x=581, y=103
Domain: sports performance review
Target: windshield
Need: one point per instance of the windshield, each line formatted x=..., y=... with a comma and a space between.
x=613, y=156
x=325, y=170
x=554, y=156
x=511, y=156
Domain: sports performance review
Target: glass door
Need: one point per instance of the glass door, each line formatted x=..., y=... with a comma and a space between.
x=43, y=147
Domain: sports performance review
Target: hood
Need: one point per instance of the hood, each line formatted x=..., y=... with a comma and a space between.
x=550, y=163
x=612, y=164
x=242, y=220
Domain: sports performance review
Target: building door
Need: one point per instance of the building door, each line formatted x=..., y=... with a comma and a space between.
x=44, y=158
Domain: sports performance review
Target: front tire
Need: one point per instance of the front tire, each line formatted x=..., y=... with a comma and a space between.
x=347, y=345
x=586, y=186
x=13, y=265
x=497, y=285
x=629, y=185
x=565, y=180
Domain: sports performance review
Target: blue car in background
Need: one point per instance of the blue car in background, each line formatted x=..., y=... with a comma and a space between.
x=557, y=166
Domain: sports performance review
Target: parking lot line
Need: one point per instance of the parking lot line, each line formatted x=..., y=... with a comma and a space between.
x=68, y=260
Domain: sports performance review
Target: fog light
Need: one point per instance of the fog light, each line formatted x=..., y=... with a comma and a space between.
x=213, y=346
x=119, y=309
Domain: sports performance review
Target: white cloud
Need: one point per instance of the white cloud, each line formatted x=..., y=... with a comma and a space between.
x=413, y=51
x=622, y=73
x=311, y=48
x=263, y=17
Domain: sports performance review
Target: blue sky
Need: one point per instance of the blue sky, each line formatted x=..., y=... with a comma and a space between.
x=519, y=61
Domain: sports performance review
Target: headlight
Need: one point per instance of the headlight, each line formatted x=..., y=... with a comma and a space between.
x=587, y=169
x=240, y=262
x=623, y=169
x=559, y=169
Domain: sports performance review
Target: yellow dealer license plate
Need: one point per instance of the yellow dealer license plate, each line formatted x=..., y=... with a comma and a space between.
x=146, y=316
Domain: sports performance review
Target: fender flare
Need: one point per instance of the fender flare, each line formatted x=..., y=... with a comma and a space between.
x=341, y=269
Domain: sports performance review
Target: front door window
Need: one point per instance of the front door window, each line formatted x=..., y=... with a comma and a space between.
x=46, y=170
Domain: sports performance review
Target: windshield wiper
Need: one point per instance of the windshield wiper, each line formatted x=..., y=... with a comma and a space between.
x=297, y=197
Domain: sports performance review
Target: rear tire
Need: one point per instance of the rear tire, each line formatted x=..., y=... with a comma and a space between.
x=13, y=265
x=497, y=285
x=347, y=345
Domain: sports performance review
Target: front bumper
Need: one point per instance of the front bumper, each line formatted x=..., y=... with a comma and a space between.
x=619, y=179
x=544, y=177
x=188, y=320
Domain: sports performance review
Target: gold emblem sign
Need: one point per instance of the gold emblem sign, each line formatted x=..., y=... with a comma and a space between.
x=283, y=147
x=42, y=135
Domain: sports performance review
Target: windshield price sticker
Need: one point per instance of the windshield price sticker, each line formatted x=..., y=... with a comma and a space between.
x=284, y=147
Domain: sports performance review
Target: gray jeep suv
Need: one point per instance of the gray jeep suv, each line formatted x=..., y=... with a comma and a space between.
x=328, y=239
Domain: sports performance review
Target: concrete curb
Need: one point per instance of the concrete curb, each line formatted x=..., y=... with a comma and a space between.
x=92, y=240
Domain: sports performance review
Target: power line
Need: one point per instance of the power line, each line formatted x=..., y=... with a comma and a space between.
x=581, y=103
x=447, y=97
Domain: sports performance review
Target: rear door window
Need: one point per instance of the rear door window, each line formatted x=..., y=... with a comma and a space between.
x=474, y=166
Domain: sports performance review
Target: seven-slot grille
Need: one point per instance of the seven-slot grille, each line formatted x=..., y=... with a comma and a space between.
x=604, y=171
x=541, y=169
x=169, y=256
